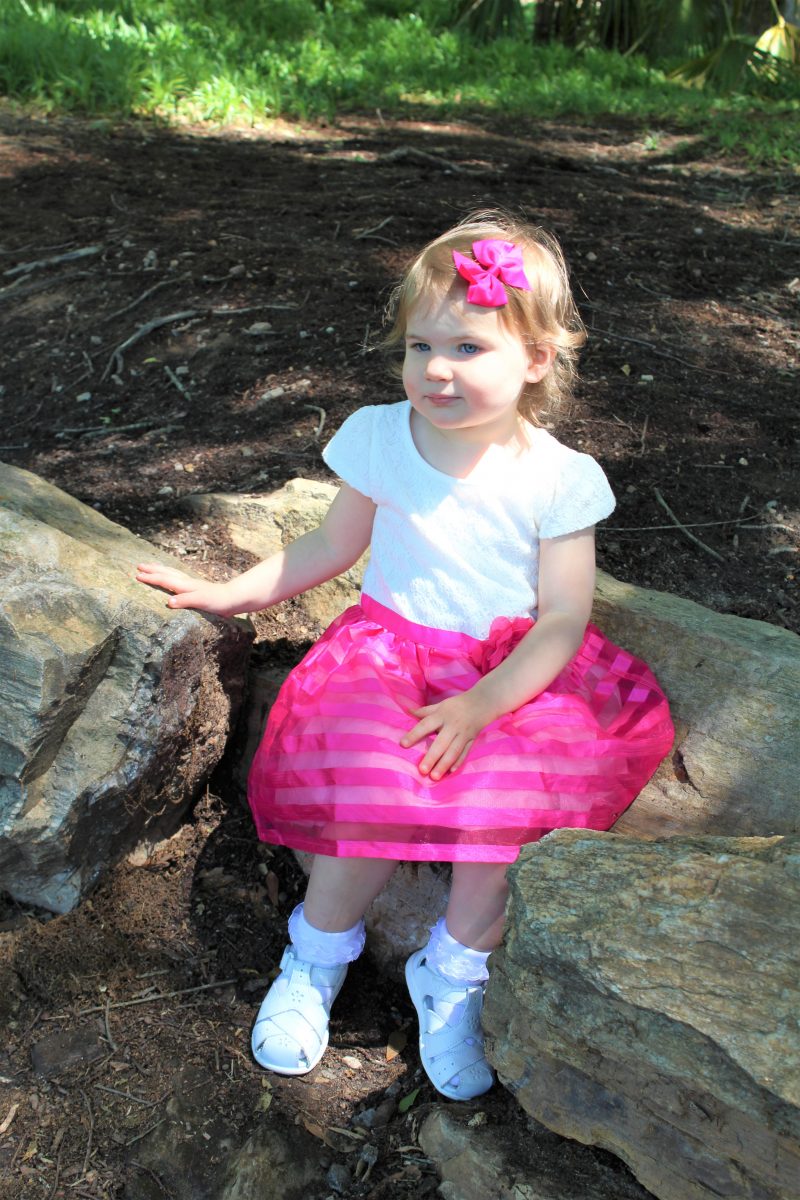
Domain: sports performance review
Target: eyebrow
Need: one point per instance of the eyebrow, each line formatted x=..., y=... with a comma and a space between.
x=456, y=337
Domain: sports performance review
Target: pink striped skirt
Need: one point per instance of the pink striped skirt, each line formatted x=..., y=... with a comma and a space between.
x=331, y=777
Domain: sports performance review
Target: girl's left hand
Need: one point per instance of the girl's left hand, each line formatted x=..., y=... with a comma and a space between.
x=456, y=722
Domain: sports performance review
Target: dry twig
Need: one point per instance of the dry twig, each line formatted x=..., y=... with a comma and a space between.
x=323, y=416
x=12, y=1112
x=203, y=987
x=142, y=331
x=365, y=233
x=623, y=337
x=145, y=1132
x=403, y=152
x=125, y=1095
x=70, y=256
x=109, y=1038
x=173, y=378
x=683, y=529
x=170, y=319
x=133, y=304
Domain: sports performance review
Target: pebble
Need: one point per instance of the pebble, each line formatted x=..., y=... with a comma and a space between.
x=84, y=396
x=166, y=490
x=237, y=271
x=591, y=256
x=743, y=462
x=258, y=328
x=350, y=1060
x=339, y=1178
x=273, y=394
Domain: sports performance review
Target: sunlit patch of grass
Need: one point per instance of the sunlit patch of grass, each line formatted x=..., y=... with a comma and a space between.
x=247, y=60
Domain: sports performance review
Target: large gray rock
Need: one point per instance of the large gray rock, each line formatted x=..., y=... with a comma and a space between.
x=646, y=1001
x=115, y=708
x=480, y=1161
x=734, y=690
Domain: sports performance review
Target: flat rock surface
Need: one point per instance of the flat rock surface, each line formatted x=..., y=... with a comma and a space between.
x=646, y=1001
x=116, y=708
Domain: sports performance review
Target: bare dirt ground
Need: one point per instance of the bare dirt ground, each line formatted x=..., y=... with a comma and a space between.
x=191, y=311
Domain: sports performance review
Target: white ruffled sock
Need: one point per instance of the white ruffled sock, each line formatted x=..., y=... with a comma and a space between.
x=457, y=964
x=325, y=949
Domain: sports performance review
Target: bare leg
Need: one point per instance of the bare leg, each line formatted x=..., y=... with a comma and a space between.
x=290, y=1033
x=340, y=890
x=476, y=908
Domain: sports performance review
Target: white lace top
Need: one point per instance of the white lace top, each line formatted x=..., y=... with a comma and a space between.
x=456, y=553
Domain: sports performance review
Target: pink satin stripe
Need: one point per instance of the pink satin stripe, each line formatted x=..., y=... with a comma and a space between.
x=331, y=777
x=438, y=639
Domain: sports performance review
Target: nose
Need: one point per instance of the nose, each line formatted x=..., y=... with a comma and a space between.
x=437, y=367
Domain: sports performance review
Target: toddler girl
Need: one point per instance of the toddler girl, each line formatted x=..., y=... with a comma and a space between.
x=464, y=707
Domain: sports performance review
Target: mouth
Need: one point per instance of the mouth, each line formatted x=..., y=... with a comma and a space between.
x=440, y=399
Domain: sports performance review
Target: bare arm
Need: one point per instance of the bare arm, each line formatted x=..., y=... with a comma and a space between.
x=566, y=589
x=337, y=543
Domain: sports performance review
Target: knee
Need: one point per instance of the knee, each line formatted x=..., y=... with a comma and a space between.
x=486, y=877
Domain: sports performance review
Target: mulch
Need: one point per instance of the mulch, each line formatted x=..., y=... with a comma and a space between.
x=193, y=310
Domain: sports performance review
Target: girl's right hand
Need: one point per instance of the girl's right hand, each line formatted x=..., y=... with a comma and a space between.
x=188, y=592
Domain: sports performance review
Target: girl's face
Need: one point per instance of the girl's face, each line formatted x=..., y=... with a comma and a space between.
x=465, y=371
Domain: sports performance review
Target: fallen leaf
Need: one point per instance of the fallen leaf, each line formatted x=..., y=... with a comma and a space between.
x=396, y=1044
x=626, y=368
x=273, y=888
x=407, y=1101
x=312, y=1127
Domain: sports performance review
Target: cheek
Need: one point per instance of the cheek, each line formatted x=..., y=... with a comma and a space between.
x=409, y=371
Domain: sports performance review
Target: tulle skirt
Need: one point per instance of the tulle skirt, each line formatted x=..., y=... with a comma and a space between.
x=331, y=777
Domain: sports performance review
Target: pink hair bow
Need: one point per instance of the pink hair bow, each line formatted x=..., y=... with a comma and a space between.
x=494, y=261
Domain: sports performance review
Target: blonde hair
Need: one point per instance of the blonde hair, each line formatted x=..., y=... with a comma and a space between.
x=546, y=315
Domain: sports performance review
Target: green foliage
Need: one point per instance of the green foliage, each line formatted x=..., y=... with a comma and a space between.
x=247, y=60
x=487, y=19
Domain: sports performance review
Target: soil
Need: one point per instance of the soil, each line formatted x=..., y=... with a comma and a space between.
x=194, y=310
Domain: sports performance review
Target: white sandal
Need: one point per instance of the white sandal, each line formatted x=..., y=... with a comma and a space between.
x=290, y=1034
x=452, y=1055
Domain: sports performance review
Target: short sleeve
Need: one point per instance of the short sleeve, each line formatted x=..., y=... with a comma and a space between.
x=581, y=497
x=349, y=453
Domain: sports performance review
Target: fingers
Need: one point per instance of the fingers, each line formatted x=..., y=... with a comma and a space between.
x=429, y=724
x=438, y=762
x=157, y=575
x=450, y=746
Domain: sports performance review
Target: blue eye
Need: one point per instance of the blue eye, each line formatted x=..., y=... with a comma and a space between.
x=421, y=347
x=469, y=348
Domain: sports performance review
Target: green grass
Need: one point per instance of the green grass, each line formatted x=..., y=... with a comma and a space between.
x=229, y=60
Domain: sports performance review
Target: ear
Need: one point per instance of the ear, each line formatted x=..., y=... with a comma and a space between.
x=540, y=360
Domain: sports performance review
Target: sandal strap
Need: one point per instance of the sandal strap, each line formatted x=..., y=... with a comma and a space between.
x=446, y=1050
x=441, y=1068
x=294, y=1025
